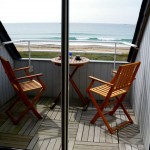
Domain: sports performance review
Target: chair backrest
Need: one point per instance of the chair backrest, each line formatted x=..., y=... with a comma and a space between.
x=125, y=76
x=8, y=70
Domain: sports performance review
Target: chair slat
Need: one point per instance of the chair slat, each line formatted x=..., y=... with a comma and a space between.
x=30, y=85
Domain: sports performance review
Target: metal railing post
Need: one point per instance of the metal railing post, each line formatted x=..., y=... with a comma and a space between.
x=29, y=53
x=115, y=57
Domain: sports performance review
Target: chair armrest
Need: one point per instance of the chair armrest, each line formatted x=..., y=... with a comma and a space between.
x=24, y=68
x=101, y=81
x=30, y=76
x=114, y=71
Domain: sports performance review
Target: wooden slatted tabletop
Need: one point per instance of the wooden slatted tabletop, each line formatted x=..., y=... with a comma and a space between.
x=72, y=61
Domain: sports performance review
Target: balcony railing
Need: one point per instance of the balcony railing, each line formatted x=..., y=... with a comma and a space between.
x=37, y=46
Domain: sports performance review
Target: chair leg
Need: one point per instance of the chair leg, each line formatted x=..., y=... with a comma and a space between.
x=16, y=121
x=95, y=118
x=99, y=113
x=33, y=102
x=96, y=106
x=105, y=121
x=31, y=107
x=127, y=114
x=8, y=111
x=13, y=104
x=119, y=101
x=28, y=104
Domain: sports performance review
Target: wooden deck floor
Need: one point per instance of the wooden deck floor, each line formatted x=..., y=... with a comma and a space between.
x=45, y=134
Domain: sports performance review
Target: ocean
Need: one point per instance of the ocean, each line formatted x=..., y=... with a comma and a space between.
x=79, y=33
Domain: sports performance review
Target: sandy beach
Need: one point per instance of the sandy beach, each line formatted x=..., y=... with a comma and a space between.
x=86, y=48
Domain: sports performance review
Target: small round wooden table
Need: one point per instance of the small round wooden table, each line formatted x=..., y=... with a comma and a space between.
x=76, y=63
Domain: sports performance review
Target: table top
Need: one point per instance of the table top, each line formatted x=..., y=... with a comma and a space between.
x=72, y=61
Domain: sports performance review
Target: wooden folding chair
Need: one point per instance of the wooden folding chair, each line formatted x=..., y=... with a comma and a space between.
x=22, y=85
x=117, y=88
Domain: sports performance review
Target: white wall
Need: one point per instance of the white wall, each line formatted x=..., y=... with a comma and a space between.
x=141, y=88
x=6, y=90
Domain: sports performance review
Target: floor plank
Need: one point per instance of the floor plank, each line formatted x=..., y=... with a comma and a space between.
x=16, y=141
x=43, y=134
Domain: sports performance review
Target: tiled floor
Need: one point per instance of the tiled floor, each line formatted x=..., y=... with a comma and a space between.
x=45, y=134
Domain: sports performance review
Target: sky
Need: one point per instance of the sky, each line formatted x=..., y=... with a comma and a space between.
x=81, y=11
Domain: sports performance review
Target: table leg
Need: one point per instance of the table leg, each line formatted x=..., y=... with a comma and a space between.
x=85, y=102
x=77, y=91
x=55, y=102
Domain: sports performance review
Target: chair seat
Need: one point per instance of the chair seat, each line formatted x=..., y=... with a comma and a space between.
x=30, y=85
x=104, y=89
